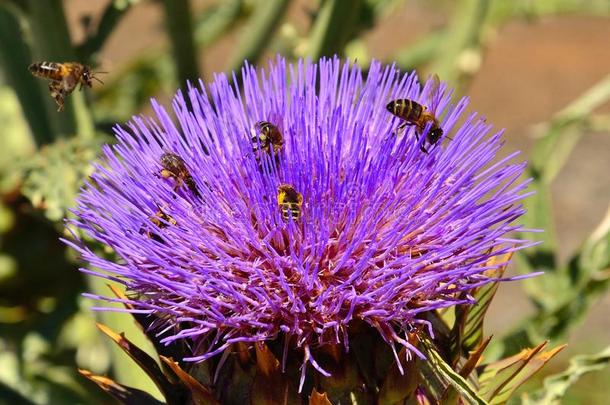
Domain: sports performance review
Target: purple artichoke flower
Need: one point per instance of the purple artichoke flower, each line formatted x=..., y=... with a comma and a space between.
x=383, y=234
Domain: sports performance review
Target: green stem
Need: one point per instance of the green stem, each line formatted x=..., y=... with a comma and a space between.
x=216, y=20
x=564, y=131
x=464, y=34
x=257, y=34
x=565, y=292
x=14, y=59
x=111, y=16
x=333, y=27
x=179, y=27
x=51, y=41
x=421, y=52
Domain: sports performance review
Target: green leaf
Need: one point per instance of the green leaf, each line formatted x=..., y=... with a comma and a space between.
x=133, y=85
x=334, y=25
x=123, y=366
x=499, y=380
x=270, y=384
x=587, y=280
x=594, y=258
x=179, y=27
x=550, y=154
x=10, y=396
x=14, y=60
x=16, y=142
x=199, y=394
x=437, y=376
x=216, y=20
x=258, y=32
x=50, y=40
x=555, y=386
x=176, y=349
x=463, y=40
x=125, y=395
x=552, y=150
x=54, y=175
x=468, y=327
x=144, y=361
x=421, y=52
x=399, y=386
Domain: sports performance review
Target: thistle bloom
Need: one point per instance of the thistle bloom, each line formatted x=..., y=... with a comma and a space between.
x=384, y=233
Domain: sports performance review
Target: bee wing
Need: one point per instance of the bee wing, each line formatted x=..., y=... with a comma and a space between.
x=435, y=94
x=70, y=74
x=257, y=126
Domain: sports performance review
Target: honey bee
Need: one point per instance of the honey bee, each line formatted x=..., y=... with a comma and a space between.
x=174, y=167
x=413, y=113
x=290, y=202
x=268, y=136
x=161, y=220
x=64, y=77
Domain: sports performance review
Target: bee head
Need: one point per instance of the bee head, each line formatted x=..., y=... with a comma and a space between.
x=88, y=76
x=435, y=134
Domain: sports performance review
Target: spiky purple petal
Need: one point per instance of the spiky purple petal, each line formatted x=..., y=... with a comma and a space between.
x=387, y=232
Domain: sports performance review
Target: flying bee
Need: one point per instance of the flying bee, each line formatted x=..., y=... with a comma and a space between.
x=174, y=167
x=161, y=220
x=64, y=77
x=290, y=202
x=413, y=113
x=269, y=137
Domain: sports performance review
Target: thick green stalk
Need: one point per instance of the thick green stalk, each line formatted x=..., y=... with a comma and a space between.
x=14, y=59
x=179, y=28
x=550, y=154
x=421, y=52
x=216, y=20
x=51, y=41
x=112, y=15
x=464, y=34
x=565, y=293
x=333, y=27
x=260, y=29
x=559, y=141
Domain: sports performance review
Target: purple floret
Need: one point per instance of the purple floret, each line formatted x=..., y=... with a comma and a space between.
x=386, y=231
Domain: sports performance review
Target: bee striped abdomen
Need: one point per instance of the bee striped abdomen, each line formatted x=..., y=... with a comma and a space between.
x=161, y=220
x=406, y=109
x=290, y=202
x=291, y=210
x=47, y=70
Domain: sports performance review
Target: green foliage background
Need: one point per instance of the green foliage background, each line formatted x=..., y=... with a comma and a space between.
x=47, y=330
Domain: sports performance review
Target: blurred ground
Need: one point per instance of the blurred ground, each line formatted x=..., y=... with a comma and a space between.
x=530, y=71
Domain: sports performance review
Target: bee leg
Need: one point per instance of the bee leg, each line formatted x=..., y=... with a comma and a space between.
x=421, y=147
x=58, y=94
x=398, y=128
x=402, y=126
x=193, y=187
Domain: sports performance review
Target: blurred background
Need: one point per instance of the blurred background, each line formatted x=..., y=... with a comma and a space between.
x=540, y=69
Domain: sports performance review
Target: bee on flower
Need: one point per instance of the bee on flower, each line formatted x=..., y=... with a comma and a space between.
x=392, y=237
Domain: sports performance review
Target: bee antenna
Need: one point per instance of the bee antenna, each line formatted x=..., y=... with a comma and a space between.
x=97, y=79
